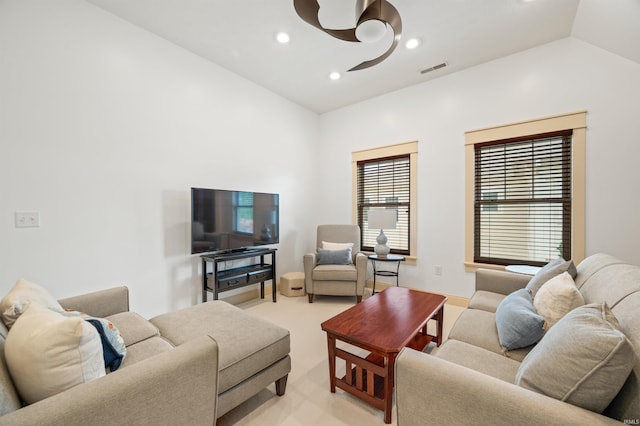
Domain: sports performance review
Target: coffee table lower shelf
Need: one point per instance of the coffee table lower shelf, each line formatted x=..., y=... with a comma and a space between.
x=365, y=377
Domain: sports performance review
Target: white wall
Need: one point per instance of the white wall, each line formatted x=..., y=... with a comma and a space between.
x=564, y=76
x=103, y=130
x=105, y=127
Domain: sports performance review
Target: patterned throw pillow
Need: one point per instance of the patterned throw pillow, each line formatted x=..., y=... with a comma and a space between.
x=113, y=346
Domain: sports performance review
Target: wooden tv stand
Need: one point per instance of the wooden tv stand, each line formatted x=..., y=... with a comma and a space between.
x=220, y=280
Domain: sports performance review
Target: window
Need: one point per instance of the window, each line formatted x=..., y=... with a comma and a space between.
x=385, y=183
x=530, y=222
x=525, y=192
x=385, y=178
x=243, y=203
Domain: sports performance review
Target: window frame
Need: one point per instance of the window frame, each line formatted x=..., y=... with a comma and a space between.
x=576, y=122
x=381, y=153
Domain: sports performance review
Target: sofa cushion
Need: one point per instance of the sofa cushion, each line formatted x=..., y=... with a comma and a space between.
x=583, y=360
x=334, y=257
x=628, y=315
x=485, y=300
x=133, y=328
x=592, y=264
x=242, y=355
x=518, y=323
x=48, y=353
x=334, y=273
x=548, y=271
x=478, y=328
x=145, y=349
x=611, y=284
x=556, y=298
x=20, y=296
x=478, y=359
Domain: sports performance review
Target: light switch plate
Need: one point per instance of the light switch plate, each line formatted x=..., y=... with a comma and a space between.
x=27, y=219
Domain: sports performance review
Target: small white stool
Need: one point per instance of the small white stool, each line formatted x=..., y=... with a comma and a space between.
x=292, y=284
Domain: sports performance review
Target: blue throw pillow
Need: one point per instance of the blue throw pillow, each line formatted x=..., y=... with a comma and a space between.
x=334, y=257
x=519, y=325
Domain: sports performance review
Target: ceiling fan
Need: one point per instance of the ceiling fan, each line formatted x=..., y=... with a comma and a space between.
x=373, y=17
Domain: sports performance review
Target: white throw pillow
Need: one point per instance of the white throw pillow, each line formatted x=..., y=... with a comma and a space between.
x=336, y=246
x=556, y=298
x=20, y=296
x=48, y=353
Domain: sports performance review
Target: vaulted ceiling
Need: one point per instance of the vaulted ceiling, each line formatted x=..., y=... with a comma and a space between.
x=240, y=36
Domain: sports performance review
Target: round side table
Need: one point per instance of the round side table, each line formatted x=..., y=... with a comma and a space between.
x=385, y=272
x=522, y=269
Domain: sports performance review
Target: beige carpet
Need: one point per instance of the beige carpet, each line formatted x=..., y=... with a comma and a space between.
x=308, y=400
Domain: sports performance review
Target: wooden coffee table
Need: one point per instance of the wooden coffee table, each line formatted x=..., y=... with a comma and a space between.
x=382, y=325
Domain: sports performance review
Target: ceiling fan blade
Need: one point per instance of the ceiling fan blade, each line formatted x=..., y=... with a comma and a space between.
x=383, y=11
x=367, y=10
x=308, y=10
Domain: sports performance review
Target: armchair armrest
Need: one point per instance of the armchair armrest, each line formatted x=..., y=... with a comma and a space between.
x=501, y=282
x=308, y=262
x=179, y=386
x=432, y=388
x=361, y=271
x=99, y=303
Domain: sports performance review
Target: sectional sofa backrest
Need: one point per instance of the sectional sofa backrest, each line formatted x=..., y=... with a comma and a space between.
x=603, y=277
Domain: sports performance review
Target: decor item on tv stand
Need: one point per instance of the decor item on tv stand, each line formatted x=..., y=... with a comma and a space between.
x=382, y=219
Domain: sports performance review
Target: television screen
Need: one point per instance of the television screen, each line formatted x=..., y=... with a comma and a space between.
x=223, y=220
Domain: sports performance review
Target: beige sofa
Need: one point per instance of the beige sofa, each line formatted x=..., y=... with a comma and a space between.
x=469, y=380
x=190, y=366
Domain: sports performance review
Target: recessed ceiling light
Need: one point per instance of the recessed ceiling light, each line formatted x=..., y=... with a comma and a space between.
x=412, y=43
x=335, y=75
x=283, y=38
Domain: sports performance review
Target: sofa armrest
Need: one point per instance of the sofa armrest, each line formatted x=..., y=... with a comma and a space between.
x=101, y=303
x=179, y=386
x=434, y=389
x=501, y=282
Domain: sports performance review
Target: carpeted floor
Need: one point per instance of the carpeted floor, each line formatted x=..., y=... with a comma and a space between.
x=307, y=400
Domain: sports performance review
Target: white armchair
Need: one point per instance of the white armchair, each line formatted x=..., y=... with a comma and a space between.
x=336, y=279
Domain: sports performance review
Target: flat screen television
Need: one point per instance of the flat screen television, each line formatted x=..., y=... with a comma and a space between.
x=228, y=221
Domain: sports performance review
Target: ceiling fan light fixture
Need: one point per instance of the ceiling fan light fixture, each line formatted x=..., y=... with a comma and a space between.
x=283, y=38
x=371, y=30
x=413, y=43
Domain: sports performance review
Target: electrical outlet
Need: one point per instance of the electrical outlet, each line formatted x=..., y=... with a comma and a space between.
x=27, y=219
x=437, y=270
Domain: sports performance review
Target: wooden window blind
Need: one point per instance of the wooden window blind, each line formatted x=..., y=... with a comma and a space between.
x=522, y=200
x=385, y=183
